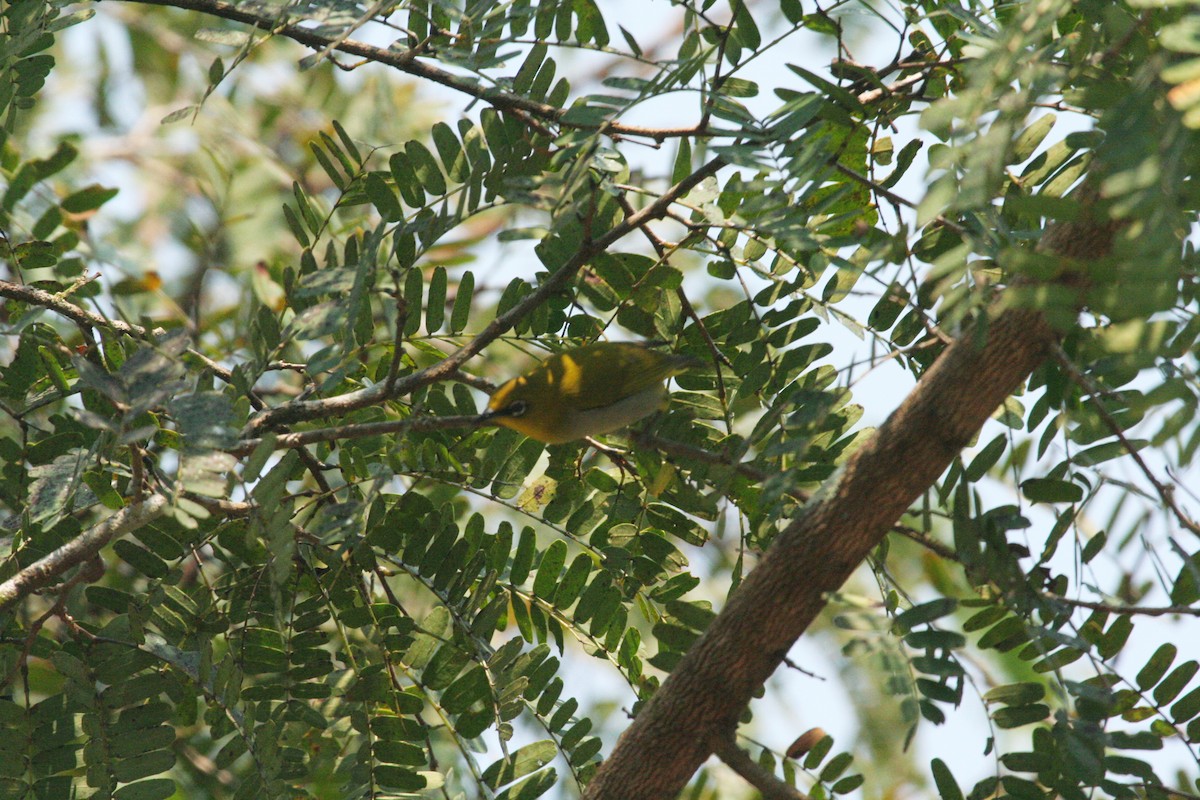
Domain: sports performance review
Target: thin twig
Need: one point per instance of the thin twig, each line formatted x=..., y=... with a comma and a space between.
x=406, y=60
x=696, y=454
x=1165, y=492
x=1120, y=608
x=662, y=250
x=737, y=759
x=360, y=430
x=226, y=508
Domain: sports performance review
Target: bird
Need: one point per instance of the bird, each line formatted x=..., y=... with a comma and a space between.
x=586, y=391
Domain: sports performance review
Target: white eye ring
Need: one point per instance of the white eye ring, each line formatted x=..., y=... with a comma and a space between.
x=517, y=408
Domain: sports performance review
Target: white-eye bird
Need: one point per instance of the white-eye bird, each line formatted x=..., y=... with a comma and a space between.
x=586, y=391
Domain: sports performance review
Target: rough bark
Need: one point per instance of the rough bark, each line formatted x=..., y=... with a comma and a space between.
x=699, y=704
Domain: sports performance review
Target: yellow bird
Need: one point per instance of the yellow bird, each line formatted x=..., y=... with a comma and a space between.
x=587, y=391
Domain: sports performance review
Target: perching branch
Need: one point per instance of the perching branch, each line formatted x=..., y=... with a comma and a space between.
x=357, y=431
x=300, y=410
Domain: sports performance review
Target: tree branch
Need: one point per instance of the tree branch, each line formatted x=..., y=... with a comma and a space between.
x=700, y=702
x=46, y=570
x=89, y=319
x=769, y=786
x=300, y=410
x=405, y=60
x=360, y=430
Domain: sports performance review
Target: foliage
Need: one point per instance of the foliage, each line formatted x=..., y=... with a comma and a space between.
x=391, y=608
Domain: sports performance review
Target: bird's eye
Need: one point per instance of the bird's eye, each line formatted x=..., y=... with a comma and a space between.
x=517, y=408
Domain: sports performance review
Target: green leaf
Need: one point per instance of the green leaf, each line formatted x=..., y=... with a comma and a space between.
x=143, y=766
x=1018, y=716
x=739, y=87
x=1186, y=589
x=335, y=175
x=1016, y=694
x=1156, y=667
x=835, y=767
x=450, y=152
x=347, y=143
x=383, y=198
x=407, y=183
x=986, y=458
x=1093, y=547
x=744, y=27
x=532, y=787
x=1187, y=707
x=697, y=616
x=140, y=559
x=413, y=285
x=848, y=784
x=523, y=558
x=435, y=302
x=1170, y=687
x=63, y=155
x=570, y=587
x=295, y=226
x=674, y=637
x=1058, y=659
x=939, y=692
x=984, y=618
x=309, y=216
x=425, y=167
x=156, y=789
x=683, y=160
x=516, y=468
x=528, y=759
x=401, y=778
x=818, y=753
x=925, y=613
x=546, y=581
x=1047, y=490
x=1115, y=637
x=444, y=667
x=1029, y=139
x=88, y=198
x=529, y=68
x=463, y=296
x=1141, y=740
x=469, y=688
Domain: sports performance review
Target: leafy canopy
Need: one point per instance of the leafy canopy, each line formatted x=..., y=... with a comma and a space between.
x=240, y=351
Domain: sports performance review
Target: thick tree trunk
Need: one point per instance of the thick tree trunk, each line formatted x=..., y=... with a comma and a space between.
x=702, y=699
